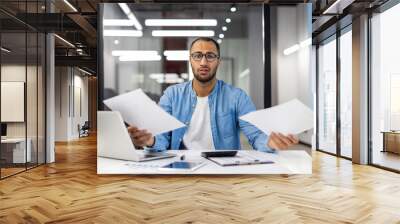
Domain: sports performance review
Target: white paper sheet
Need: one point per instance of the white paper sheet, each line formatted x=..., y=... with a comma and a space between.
x=292, y=117
x=139, y=110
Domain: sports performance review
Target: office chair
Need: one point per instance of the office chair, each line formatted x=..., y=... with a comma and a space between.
x=84, y=130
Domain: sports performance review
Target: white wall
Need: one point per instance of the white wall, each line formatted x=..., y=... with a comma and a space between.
x=70, y=84
x=256, y=57
x=33, y=126
x=292, y=74
x=17, y=73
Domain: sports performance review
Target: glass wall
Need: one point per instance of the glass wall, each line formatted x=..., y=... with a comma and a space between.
x=327, y=95
x=22, y=89
x=385, y=89
x=335, y=94
x=346, y=92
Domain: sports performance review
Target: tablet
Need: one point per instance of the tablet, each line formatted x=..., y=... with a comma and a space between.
x=181, y=165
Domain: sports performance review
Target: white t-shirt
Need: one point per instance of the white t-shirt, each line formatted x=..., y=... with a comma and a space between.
x=198, y=134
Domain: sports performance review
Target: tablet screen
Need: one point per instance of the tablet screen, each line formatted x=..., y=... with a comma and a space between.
x=181, y=165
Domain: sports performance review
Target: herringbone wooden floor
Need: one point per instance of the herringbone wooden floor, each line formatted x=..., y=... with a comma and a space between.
x=70, y=191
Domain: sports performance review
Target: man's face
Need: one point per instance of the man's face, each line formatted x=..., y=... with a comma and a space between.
x=204, y=70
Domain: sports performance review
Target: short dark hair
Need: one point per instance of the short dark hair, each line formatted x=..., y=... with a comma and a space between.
x=206, y=39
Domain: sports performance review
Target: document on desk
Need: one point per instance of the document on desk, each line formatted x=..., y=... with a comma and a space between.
x=241, y=158
x=139, y=110
x=292, y=117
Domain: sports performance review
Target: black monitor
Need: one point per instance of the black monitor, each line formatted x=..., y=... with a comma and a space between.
x=3, y=129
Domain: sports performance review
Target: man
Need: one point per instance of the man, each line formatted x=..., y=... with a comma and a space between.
x=210, y=108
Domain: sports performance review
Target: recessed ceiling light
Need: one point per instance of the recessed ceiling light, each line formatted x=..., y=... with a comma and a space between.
x=65, y=41
x=224, y=28
x=122, y=33
x=181, y=55
x=116, y=42
x=180, y=22
x=233, y=9
x=335, y=7
x=125, y=8
x=219, y=41
x=221, y=35
x=70, y=5
x=5, y=50
x=84, y=71
x=306, y=42
x=182, y=33
x=228, y=20
x=133, y=52
x=291, y=49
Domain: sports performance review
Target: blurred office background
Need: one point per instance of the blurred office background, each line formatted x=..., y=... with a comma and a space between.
x=265, y=50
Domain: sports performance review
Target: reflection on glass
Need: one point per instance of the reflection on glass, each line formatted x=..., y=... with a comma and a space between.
x=31, y=100
x=327, y=96
x=346, y=94
x=22, y=90
x=146, y=46
x=41, y=79
x=13, y=87
x=385, y=114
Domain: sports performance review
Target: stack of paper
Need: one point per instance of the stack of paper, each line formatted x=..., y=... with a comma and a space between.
x=138, y=110
x=242, y=158
x=292, y=117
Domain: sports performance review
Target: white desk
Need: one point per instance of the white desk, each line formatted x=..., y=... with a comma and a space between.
x=285, y=162
x=19, y=149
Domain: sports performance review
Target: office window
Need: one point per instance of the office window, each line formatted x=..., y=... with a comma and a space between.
x=327, y=95
x=385, y=87
x=346, y=93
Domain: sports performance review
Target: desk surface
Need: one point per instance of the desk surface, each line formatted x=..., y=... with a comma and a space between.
x=285, y=162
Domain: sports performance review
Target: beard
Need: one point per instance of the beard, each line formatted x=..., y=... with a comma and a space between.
x=203, y=78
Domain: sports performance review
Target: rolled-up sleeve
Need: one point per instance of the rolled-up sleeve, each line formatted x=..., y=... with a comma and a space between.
x=163, y=141
x=257, y=139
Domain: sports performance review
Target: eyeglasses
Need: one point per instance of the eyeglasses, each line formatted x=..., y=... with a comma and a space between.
x=198, y=56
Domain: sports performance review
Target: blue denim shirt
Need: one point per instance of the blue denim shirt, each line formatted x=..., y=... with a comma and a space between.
x=226, y=103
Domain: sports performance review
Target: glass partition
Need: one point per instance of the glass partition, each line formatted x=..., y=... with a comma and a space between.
x=346, y=93
x=14, y=154
x=327, y=95
x=22, y=89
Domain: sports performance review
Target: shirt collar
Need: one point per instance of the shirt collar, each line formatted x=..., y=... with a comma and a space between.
x=213, y=92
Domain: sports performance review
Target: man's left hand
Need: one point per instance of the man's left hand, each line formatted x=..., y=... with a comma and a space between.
x=281, y=141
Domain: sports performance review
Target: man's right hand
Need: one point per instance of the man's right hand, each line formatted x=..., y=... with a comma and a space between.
x=141, y=138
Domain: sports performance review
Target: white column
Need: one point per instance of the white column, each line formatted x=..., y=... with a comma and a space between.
x=50, y=99
x=360, y=90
